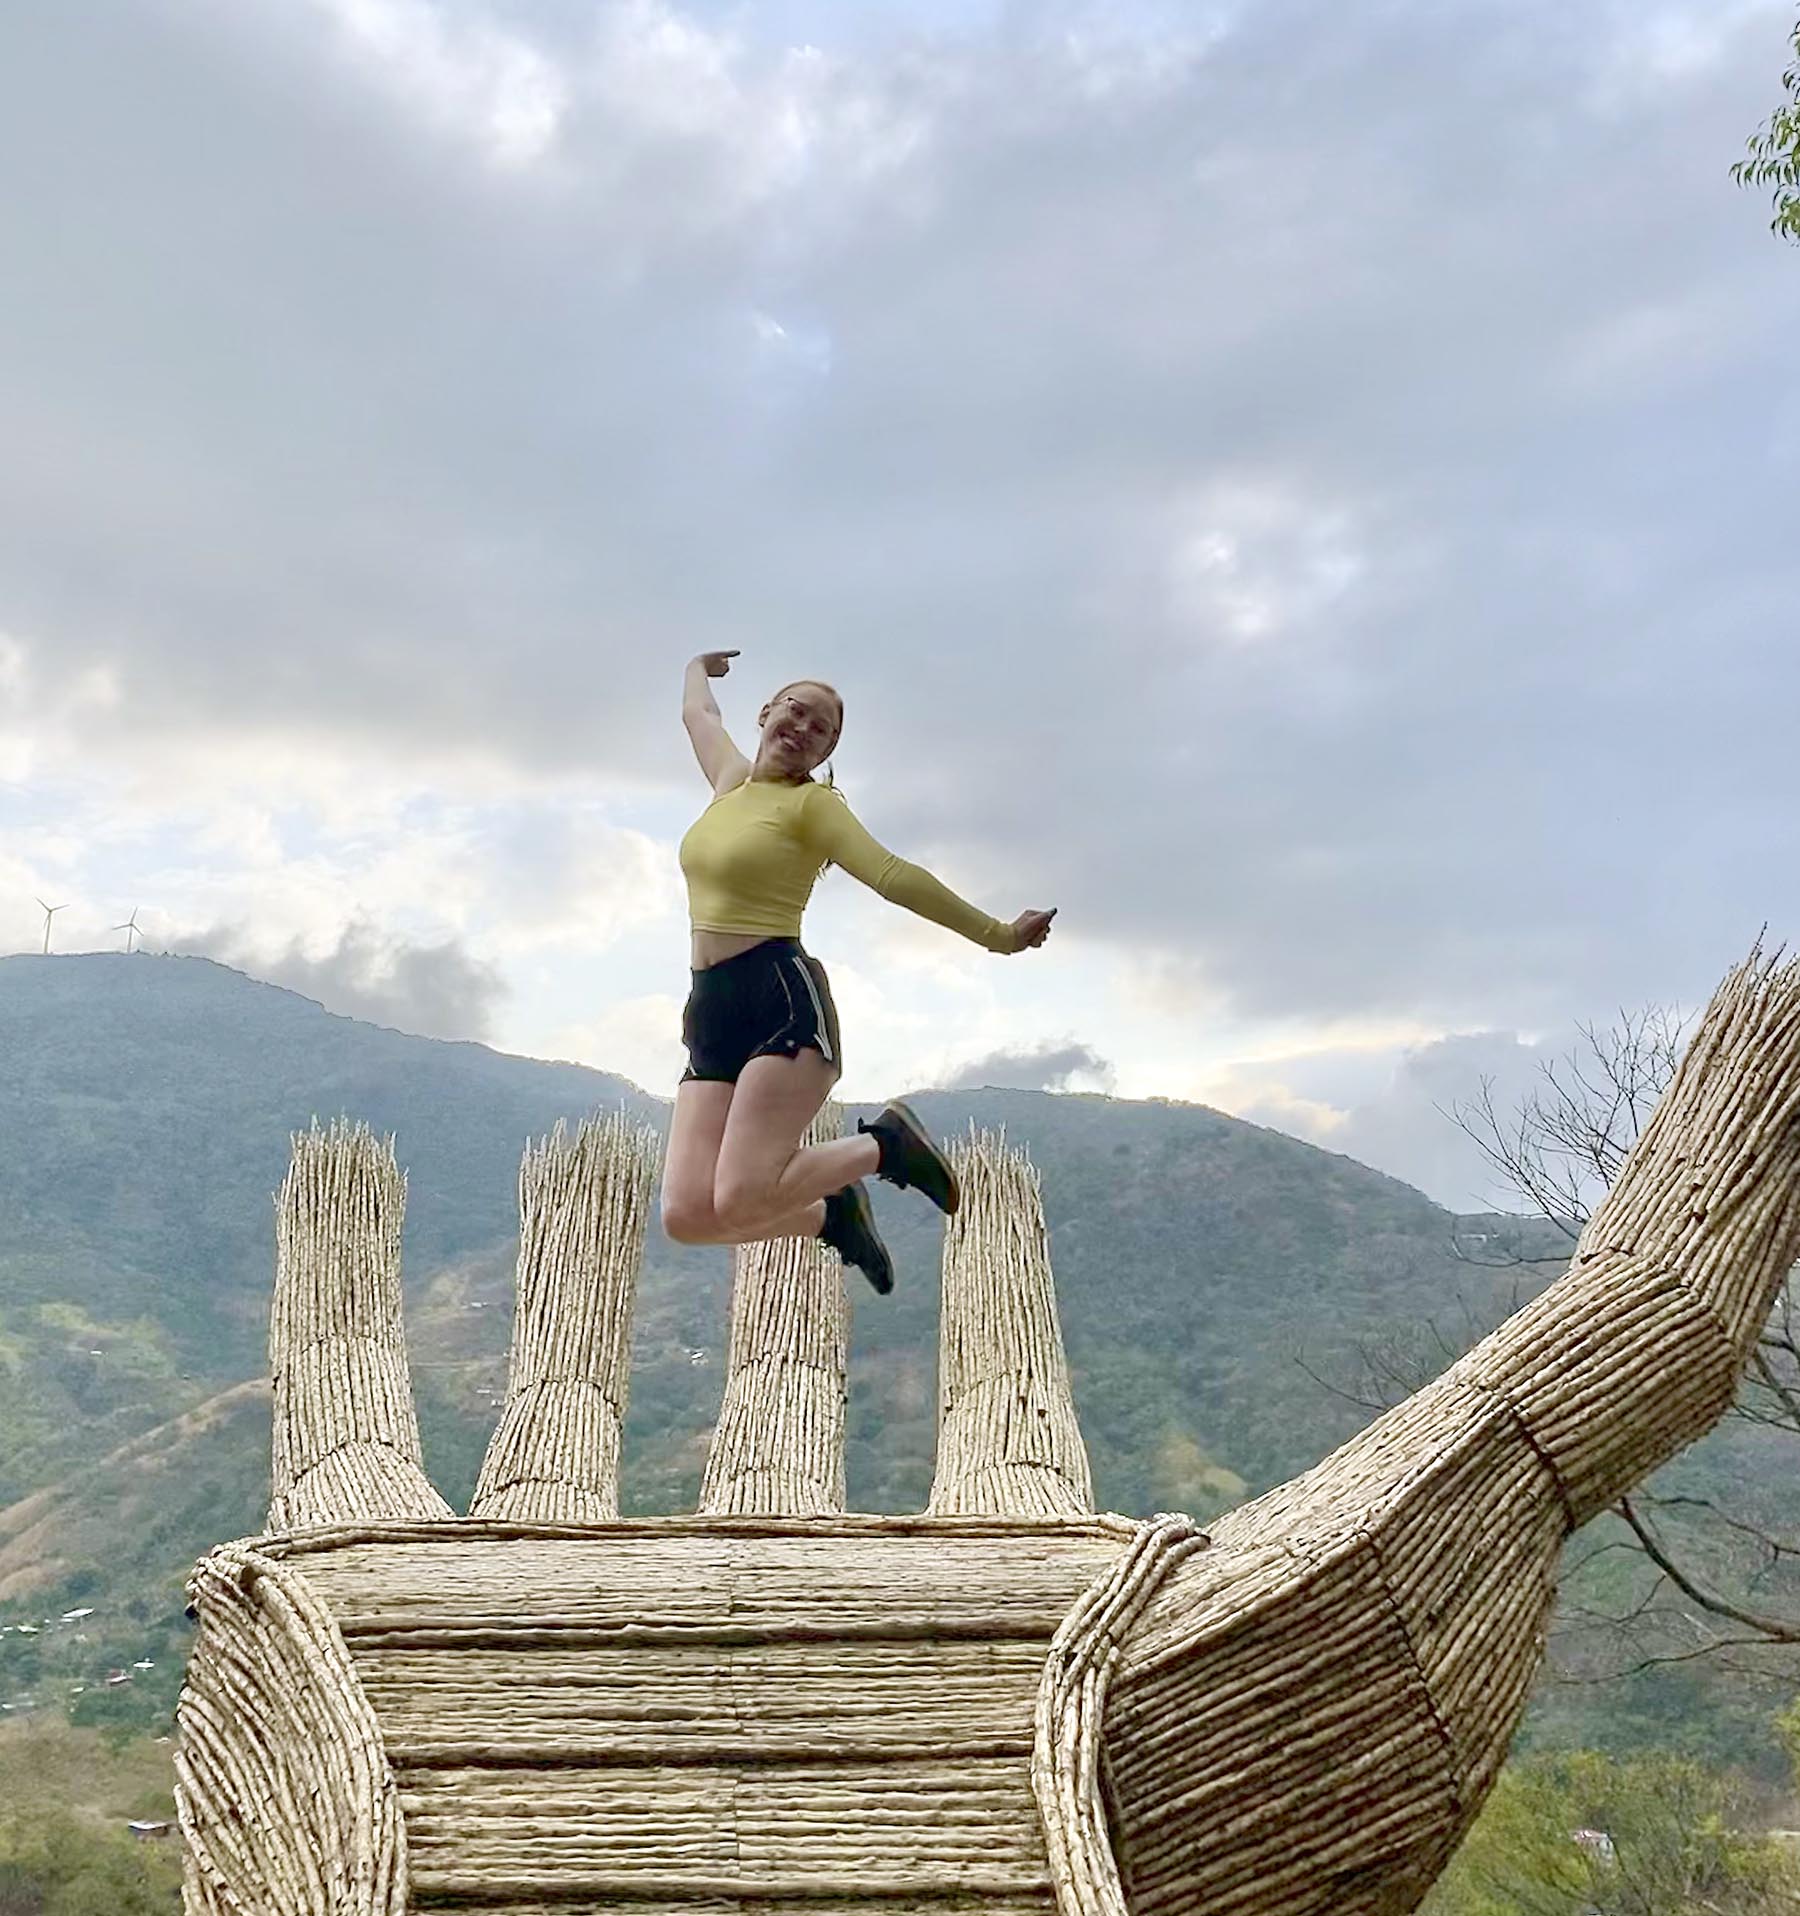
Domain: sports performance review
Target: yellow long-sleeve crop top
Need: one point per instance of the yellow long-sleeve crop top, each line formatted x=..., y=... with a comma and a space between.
x=752, y=857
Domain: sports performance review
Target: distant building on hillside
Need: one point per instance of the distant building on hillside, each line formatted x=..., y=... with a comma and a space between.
x=1598, y=1845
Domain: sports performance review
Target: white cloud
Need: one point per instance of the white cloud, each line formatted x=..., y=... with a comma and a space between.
x=459, y=73
x=1249, y=562
x=791, y=347
x=638, y=1038
x=559, y=876
x=1666, y=340
x=1122, y=51
x=670, y=75
x=1060, y=1065
x=433, y=990
x=1395, y=1108
x=42, y=717
x=1674, y=43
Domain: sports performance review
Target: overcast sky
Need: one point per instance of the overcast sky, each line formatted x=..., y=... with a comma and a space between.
x=1308, y=490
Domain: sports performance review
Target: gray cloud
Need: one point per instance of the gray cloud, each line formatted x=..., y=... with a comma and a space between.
x=432, y=990
x=1343, y=556
x=1399, y=1110
x=1041, y=1068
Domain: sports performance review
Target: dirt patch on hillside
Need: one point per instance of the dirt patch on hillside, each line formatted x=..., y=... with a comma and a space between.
x=42, y=1535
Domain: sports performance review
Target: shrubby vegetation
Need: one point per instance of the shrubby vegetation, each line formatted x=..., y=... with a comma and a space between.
x=53, y=1863
x=65, y=1850
x=1584, y=1834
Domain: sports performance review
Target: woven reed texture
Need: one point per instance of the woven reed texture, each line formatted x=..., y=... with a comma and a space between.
x=584, y=1202
x=1023, y=1903
x=1308, y=1714
x=282, y=1786
x=346, y=1433
x=1070, y=1711
x=778, y=1447
x=1008, y=1439
x=691, y=1711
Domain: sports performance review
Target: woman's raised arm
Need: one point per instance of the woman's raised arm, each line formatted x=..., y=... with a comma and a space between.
x=721, y=761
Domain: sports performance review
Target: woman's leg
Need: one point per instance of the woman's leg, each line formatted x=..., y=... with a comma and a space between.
x=808, y=1221
x=690, y=1167
x=764, y=1174
x=691, y=1161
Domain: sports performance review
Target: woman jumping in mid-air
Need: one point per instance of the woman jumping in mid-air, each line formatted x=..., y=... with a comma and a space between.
x=760, y=1028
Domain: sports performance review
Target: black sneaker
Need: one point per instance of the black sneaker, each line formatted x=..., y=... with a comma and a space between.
x=850, y=1231
x=909, y=1158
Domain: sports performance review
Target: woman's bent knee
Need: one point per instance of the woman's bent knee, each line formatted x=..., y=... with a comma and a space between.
x=689, y=1224
x=741, y=1207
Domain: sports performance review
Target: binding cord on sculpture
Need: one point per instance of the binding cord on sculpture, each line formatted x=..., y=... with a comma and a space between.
x=1071, y=1708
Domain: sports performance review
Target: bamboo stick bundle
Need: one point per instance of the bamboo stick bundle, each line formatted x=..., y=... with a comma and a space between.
x=1306, y=1716
x=1008, y=1439
x=778, y=1447
x=346, y=1432
x=583, y=1206
x=284, y=1793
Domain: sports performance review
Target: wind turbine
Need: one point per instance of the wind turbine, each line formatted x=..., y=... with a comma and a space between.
x=130, y=928
x=50, y=912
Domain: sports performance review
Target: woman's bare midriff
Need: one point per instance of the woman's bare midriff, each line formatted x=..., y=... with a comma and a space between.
x=714, y=947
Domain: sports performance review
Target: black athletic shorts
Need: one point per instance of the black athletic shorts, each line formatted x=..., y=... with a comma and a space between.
x=765, y=1003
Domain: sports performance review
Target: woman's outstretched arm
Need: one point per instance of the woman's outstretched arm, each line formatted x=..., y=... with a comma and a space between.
x=721, y=761
x=832, y=828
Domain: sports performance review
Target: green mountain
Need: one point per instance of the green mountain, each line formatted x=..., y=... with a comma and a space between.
x=1205, y=1268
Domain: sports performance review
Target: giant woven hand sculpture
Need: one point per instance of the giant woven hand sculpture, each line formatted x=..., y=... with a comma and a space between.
x=1008, y=1704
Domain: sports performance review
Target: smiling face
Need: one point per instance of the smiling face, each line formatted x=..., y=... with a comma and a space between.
x=800, y=725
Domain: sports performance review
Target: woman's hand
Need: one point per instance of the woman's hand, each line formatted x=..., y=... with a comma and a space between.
x=1031, y=928
x=715, y=664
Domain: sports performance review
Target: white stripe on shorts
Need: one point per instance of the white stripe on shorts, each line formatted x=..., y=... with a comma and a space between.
x=818, y=1011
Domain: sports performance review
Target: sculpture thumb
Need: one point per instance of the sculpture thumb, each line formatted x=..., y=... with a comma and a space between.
x=1307, y=1715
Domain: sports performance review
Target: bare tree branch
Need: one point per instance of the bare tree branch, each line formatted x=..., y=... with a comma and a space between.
x=1555, y=1153
x=1770, y=1629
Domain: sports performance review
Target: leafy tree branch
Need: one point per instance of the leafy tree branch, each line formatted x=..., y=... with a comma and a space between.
x=1772, y=163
